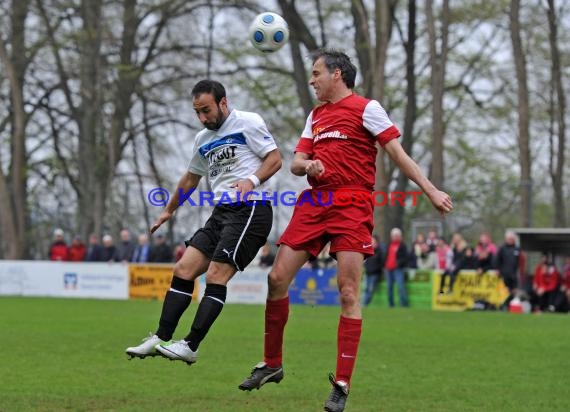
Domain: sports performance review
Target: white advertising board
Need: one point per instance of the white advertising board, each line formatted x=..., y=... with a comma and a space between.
x=245, y=287
x=64, y=279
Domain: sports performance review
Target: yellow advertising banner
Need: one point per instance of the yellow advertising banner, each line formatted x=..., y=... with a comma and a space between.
x=469, y=288
x=151, y=281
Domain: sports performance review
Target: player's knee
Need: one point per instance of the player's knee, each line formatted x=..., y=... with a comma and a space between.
x=181, y=270
x=276, y=280
x=348, y=294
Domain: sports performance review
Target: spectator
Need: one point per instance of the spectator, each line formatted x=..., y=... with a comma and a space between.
x=507, y=263
x=94, y=250
x=444, y=255
x=124, y=250
x=396, y=259
x=267, y=257
x=416, y=250
x=545, y=284
x=484, y=261
x=141, y=254
x=108, y=251
x=160, y=252
x=467, y=261
x=58, y=250
x=373, y=267
x=432, y=240
x=426, y=260
x=486, y=245
x=77, y=251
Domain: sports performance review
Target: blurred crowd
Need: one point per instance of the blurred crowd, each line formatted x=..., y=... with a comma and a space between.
x=547, y=288
x=106, y=249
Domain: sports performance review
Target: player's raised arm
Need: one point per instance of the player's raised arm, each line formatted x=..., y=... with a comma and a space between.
x=187, y=182
x=440, y=200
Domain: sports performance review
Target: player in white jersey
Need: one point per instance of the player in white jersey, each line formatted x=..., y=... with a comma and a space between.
x=237, y=154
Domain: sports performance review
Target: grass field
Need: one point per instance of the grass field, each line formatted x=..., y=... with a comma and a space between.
x=62, y=355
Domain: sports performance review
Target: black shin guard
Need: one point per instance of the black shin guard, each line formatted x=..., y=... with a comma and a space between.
x=210, y=307
x=177, y=300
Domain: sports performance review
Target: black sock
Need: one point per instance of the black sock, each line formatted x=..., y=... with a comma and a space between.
x=210, y=307
x=177, y=300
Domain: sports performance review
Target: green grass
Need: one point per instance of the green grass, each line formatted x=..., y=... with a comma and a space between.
x=62, y=355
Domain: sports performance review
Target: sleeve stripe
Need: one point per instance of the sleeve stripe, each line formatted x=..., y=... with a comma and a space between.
x=388, y=134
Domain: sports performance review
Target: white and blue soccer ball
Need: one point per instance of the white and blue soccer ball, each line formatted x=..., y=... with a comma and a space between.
x=268, y=32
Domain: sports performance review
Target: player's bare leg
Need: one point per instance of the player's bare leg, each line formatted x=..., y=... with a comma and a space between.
x=192, y=264
x=349, y=274
x=287, y=263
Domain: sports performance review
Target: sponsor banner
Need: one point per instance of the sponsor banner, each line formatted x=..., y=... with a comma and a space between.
x=469, y=288
x=314, y=287
x=151, y=281
x=64, y=279
x=249, y=286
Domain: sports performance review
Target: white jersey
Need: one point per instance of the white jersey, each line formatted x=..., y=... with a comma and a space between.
x=232, y=153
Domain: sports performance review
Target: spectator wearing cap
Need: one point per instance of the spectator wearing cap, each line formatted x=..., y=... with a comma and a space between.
x=77, y=250
x=160, y=251
x=58, y=250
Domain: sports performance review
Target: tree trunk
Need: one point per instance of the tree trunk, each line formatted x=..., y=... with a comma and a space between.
x=438, y=60
x=92, y=167
x=523, y=115
x=411, y=109
x=557, y=166
x=13, y=188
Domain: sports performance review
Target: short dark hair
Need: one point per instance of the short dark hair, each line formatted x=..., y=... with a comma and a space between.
x=211, y=87
x=335, y=59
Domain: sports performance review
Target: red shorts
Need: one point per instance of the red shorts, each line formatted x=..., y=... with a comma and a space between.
x=318, y=220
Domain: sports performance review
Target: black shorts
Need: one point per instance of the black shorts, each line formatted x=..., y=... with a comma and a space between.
x=234, y=233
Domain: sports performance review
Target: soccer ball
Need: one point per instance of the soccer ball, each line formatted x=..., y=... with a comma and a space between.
x=268, y=32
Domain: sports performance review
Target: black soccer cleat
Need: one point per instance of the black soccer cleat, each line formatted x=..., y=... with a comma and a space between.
x=260, y=375
x=337, y=399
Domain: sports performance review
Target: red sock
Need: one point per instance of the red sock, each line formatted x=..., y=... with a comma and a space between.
x=348, y=337
x=276, y=314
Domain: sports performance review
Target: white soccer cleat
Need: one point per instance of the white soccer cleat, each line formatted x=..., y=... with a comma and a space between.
x=147, y=348
x=178, y=350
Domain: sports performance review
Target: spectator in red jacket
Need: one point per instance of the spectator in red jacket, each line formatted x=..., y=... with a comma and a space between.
x=396, y=261
x=545, y=284
x=58, y=249
x=77, y=250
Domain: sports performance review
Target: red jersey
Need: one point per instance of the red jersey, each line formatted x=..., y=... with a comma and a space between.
x=546, y=277
x=59, y=251
x=392, y=258
x=342, y=136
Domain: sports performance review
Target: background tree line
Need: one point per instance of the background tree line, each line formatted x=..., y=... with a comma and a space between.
x=95, y=108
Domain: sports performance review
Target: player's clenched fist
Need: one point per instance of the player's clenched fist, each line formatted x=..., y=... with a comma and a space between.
x=315, y=168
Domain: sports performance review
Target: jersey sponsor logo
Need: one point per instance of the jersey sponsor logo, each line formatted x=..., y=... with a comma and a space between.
x=335, y=134
x=225, y=153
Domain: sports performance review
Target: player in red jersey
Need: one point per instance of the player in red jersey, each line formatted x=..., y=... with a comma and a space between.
x=337, y=152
